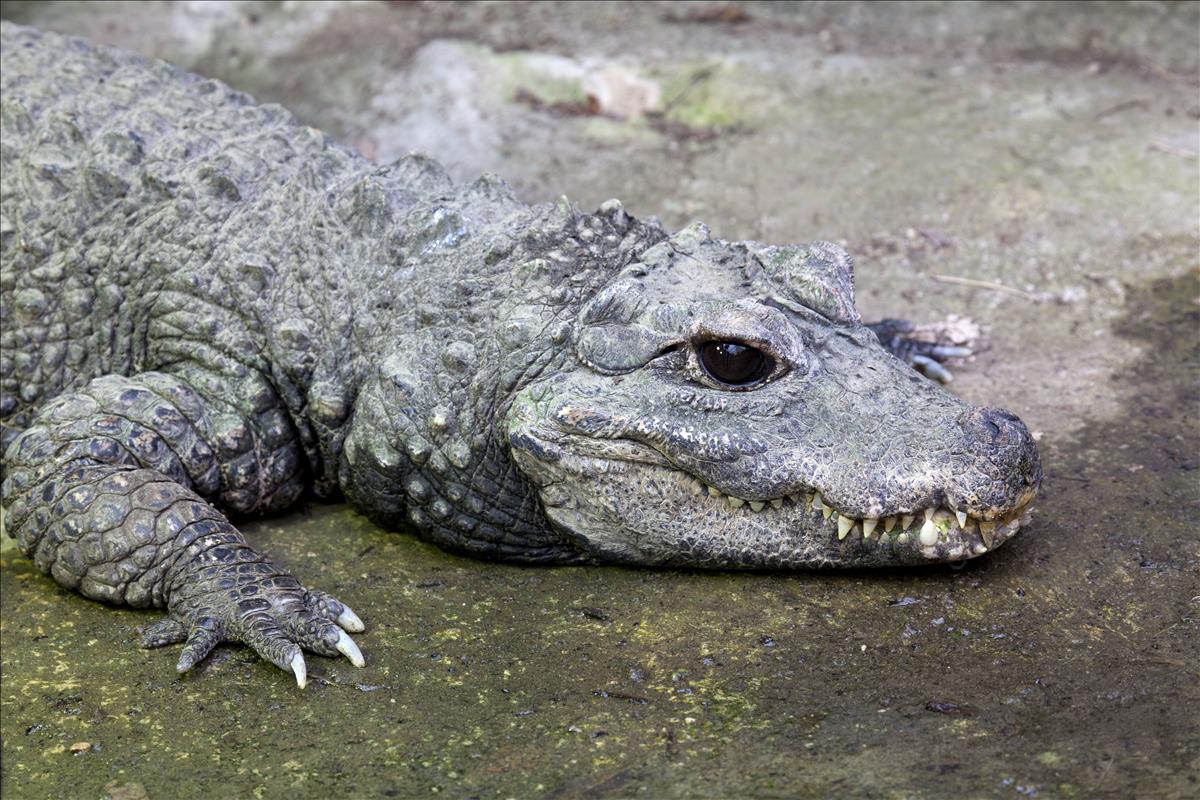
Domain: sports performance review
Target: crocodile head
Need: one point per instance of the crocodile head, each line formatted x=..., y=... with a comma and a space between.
x=726, y=407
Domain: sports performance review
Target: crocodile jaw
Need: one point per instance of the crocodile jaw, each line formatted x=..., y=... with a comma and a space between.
x=623, y=501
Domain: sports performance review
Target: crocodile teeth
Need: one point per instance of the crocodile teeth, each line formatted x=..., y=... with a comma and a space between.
x=906, y=521
x=777, y=502
x=736, y=502
x=987, y=532
x=818, y=504
x=756, y=505
x=902, y=538
x=962, y=519
x=869, y=524
x=844, y=526
x=795, y=498
x=714, y=491
x=929, y=534
x=889, y=523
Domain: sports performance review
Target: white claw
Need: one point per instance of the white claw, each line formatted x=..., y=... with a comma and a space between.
x=756, y=505
x=906, y=521
x=844, y=525
x=350, y=621
x=349, y=649
x=777, y=502
x=300, y=670
x=736, y=502
x=869, y=524
x=962, y=519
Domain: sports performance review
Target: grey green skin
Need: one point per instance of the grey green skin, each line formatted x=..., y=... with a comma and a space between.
x=209, y=310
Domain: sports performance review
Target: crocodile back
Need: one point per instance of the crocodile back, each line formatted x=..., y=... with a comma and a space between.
x=121, y=179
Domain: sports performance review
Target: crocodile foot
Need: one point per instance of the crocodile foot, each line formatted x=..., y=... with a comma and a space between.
x=928, y=347
x=261, y=606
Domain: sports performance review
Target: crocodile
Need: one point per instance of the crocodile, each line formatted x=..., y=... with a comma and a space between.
x=211, y=311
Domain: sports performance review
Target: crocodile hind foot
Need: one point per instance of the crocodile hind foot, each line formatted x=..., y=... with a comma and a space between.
x=929, y=347
x=262, y=607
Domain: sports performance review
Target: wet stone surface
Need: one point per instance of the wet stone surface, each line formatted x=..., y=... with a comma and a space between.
x=1046, y=150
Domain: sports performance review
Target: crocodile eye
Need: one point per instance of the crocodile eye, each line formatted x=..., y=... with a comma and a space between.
x=734, y=364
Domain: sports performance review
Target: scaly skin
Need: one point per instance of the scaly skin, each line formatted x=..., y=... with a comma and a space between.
x=207, y=306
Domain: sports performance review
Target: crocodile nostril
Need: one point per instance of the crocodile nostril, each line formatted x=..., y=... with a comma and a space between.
x=992, y=425
x=1002, y=448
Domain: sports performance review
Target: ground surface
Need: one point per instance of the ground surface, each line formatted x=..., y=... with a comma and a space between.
x=1050, y=150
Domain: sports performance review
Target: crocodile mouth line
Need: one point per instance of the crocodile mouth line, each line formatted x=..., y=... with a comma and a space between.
x=932, y=528
x=928, y=527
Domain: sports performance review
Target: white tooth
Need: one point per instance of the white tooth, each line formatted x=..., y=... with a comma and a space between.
x=736, y=502
x=987, y=532
x=795, y=498
x=889, y=523
x=869, y=524
x=979, y=549
x=714, y=491
x=962, y=519
x=777, y=502
x=929, y=532
x=844, y=525
x=756, y=505
x=817, y=503
x=902, y=538
x=906, y=521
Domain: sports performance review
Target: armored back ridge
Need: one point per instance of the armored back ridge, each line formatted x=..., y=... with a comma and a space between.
x=208, y=307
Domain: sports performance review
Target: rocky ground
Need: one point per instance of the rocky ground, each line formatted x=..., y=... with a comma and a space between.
x=1031, y=166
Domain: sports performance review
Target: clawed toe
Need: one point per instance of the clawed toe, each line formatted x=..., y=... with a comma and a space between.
x=300, y=669
x=350, y=621
x=349, y=649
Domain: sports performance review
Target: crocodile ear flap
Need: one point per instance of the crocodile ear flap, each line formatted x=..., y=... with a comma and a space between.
x=818, y=277
x=611, y=334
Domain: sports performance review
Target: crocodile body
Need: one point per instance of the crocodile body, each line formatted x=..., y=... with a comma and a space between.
x=209, y=310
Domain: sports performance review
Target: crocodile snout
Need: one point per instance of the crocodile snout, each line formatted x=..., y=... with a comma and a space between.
x=1004, y=455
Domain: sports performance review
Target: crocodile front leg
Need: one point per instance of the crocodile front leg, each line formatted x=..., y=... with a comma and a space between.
x=108, y=491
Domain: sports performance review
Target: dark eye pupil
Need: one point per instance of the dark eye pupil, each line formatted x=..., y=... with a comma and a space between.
x=734, y=364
